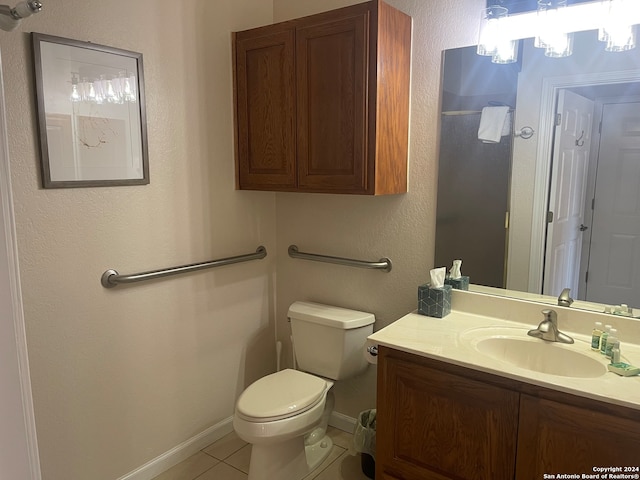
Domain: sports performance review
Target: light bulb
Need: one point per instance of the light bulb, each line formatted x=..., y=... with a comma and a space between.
x=621, y=39
x=552, y=36
x=559, y=45
x=617, y=32
x=129, y=89
x=75, y=94
x=110, y=92
x=101, y=90
x=91, y=96
x=507, y=52
x=490, y=30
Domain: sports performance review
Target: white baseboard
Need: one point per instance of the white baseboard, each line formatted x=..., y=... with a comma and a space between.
x=181, y=452
x=342, y=422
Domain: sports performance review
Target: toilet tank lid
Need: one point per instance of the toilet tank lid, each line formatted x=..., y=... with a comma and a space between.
x=336, y=317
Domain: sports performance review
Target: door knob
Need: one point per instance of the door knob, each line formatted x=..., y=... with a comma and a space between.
x=583, y=227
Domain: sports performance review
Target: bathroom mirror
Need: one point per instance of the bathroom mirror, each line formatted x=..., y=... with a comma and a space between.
x=533, y=214
x=91, y=114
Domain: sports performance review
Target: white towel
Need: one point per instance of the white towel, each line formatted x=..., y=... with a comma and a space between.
x=494, y=124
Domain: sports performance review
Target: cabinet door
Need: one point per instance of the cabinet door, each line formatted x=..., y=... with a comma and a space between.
x=332, y=63
x=265, y=108
x=557, y=438
x=437, y=425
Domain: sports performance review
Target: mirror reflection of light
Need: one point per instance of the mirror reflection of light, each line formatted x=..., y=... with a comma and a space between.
x=559, y=45
x=553, y=24
x=617, y=31
x=506, y=52
x=553, y=37
x=489, y=40
x=75, y=94
x=119, y=89
x=490, y=35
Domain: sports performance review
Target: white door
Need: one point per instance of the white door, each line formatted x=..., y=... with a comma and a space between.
x=567, y=193
x=18, y=447
x=614, y=270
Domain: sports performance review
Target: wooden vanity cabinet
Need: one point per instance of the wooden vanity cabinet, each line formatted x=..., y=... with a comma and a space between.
x=432, y=424
x=441, y=421
x=322, y=102
x=555, y=438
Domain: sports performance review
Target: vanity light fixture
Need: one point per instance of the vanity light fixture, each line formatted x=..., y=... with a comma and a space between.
x=114, y=90
x=553, y=23
x=10, y=17
x=552, y=36
x=493, y=41
x=617, y=31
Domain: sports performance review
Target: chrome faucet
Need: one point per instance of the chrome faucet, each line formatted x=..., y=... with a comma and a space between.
x=548, y=329
x=565, y=300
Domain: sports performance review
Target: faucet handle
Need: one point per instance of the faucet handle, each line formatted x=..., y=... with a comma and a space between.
x=550, y=316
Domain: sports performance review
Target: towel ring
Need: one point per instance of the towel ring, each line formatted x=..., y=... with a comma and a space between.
x=525, y=132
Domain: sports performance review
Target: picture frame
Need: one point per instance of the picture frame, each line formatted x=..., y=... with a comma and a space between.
x=91, y=114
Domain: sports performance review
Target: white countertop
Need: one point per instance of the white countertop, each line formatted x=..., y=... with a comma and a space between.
x=445, y=339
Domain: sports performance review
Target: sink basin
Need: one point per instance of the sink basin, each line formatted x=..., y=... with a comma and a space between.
x=537, y=355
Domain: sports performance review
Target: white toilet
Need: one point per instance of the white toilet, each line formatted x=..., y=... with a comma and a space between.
x=284, y=415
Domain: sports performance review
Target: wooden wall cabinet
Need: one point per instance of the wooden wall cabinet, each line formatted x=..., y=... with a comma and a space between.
x=440, y=421
x=322, y=102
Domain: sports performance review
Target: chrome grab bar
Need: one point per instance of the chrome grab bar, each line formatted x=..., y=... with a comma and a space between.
x=382, y=264
x=111, y=278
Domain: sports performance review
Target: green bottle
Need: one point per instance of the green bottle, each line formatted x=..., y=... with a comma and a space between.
x=603, y=339
x=596, y=335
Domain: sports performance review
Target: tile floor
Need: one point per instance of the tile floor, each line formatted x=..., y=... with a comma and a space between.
x=228, y=459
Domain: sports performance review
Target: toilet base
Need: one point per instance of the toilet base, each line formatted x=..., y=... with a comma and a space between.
x=290, y=460
x=317, y=452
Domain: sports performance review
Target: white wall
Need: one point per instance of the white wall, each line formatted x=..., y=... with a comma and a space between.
x=121, y=376
x=401, y=227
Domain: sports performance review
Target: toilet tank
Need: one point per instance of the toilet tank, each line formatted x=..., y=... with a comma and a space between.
x=329, y=341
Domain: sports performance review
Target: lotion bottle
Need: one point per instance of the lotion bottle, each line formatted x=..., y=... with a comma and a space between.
x=612, y=341
x=603, y=339
x=615, y=353
x=596, y=334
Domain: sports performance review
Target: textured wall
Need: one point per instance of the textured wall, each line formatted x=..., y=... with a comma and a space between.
x=401, y=227
x=120, y=376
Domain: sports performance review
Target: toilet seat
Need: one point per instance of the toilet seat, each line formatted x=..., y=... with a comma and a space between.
x=281, y=395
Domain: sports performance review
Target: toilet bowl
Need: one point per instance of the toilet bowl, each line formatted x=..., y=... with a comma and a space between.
x=285, y=415
x=281, y=416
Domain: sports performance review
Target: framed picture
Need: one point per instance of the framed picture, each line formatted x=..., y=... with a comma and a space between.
x=91, y=114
